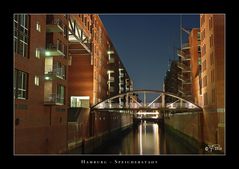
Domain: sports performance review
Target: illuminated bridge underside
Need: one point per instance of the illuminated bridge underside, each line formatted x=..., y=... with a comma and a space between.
x=133, y=104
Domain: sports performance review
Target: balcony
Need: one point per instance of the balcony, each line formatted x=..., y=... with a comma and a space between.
x=54, y=49
x=180, y=89
x=111, y=80
x=51, y=74
x=54, y=25
x=53, y=99
x=184, y=55
x=187, y=81
x=180, y=77
x=185, y=68
x=111, y=89
x=185, y=46
x=121, y=79
x=111, y=60
x=180, y=65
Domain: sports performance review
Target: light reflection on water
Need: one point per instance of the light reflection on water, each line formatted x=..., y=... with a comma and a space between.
x=145, y=139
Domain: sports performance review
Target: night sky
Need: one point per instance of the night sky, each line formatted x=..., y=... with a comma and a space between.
x=145, y=43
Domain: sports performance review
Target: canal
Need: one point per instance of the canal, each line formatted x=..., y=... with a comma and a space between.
x=146, y=138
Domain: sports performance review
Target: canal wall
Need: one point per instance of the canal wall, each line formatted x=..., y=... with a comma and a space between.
x=87, y=130
x=88, y=145
x=198, y=129
x=186, y=127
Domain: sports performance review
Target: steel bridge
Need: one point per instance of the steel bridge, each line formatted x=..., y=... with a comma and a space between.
x=130, y=102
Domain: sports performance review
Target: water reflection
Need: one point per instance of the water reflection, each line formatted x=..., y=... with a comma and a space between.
x=147, y=138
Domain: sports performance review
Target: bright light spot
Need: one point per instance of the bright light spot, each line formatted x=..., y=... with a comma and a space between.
x=47, y=53
x=47, y=78
x=110, y=52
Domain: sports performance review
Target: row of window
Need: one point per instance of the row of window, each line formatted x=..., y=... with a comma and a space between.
x=103, y=118
x=21, y=34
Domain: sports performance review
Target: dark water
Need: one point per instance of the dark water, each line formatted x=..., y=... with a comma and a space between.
x=145, y=139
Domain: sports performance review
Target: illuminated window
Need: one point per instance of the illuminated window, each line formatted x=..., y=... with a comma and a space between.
x=37, y=81
x=21, y=34
x=20, y=84
x=38, y=26
x=80, y=101
x=37, y=53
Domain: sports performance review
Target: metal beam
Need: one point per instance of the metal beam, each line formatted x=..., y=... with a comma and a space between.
x=154, y=100
x=135, y=100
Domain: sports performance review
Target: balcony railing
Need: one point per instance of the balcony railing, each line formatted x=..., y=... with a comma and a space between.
x=51, y=73
x=111, y=60
x=112, y=79
x=180, y=76
x=112, y=89
x=185, y=46
x=184, y=55
x=54, y=25
x=54, y=49
x=180, y=89
x=187, y=81
x=53, y=99
x=185, y=68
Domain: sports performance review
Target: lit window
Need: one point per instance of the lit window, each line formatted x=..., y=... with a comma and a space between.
x=37, y=81
x=21, y=34
x=38, y=27
x=20, y=84
x=37, y=53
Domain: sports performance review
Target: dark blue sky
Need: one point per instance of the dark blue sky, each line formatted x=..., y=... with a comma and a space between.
x=145, y=43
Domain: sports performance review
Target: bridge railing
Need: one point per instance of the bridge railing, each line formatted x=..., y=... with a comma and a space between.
x=105, y=105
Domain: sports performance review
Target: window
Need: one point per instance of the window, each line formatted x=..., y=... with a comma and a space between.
x=21, y=34
x=211, y=58
x=37, y=53
x=60, y=70
x=38, y=26
x=211, y=41
x=202, y=19
x=203, y=50
x=20, y=84
x=204, y=65
x=204, y=81
x=213, y=96
x=65, y=32
x=60, y=97
x=212, y=75
x=85, y=20
x=37, y=81
x=210, y=23
x=80, y=101
x=205, y=99
x=203, y=35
